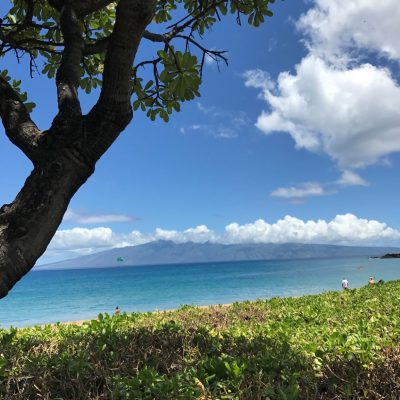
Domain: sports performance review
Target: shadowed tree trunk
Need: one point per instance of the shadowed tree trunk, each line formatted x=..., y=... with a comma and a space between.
x=65, y=155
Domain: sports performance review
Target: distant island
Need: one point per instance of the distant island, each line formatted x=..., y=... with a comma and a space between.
x=390, y=255
x=168, y=252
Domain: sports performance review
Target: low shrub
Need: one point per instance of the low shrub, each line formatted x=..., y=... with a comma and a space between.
x=336, y=345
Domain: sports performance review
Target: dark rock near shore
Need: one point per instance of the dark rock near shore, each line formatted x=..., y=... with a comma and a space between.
x=391, y=255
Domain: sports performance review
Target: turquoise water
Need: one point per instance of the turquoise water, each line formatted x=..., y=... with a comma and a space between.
x=50, y=296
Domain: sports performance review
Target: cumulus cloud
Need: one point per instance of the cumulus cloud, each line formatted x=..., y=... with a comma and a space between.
x=258, y=79
x=95, y=238
x=350, y=178
x=69, y=243
x=337, y=27
x=335, y=102
x=199, y=234
x=343, y=229
x=335, y=111
x=73, y=216
x=297, y=192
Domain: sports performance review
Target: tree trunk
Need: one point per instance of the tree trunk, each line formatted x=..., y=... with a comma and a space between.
x=69, y=152
x=28, y=224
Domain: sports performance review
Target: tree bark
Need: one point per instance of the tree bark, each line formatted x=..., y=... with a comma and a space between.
x=68, y=159
x=28, y=224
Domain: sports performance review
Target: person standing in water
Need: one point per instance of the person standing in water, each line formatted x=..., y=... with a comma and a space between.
x=345, y=284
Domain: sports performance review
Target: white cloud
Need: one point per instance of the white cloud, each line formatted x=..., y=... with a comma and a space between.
x=297, y=192
x=212, y=110
x=338, y=27
x=350, y=178
x=223, y=132
x=82, y=238
x=69, y=243
x=336, y=111
x=217, y=130
x=336, y=102
x=220, y=124
x=343, y=229
x=199, y=234
x=241, y=119
x=258, y=79
x=80, y=218
x=78, y=241
x=209, y=60
x=308, y=189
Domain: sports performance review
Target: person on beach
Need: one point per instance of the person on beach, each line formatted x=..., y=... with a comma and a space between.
x=345, y=284
x=117, y=311
x=371, y=280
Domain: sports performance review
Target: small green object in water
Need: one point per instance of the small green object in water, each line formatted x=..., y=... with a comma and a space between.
x=120, y=259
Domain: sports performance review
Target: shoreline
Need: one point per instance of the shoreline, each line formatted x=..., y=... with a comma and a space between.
x=80, y=322
x=77, y=298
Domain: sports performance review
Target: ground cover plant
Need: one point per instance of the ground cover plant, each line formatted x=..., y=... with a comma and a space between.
x=336, y=345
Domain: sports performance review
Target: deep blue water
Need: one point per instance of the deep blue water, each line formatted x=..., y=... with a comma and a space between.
x=67, y=295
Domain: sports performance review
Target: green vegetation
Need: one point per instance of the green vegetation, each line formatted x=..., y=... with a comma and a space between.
x=337, y=345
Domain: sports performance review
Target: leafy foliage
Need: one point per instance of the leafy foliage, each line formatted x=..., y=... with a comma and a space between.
x=16, y=85
x=337, y=345
x=159, y=84
x=179, y=81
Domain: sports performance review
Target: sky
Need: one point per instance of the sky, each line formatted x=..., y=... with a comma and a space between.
x=296, y=140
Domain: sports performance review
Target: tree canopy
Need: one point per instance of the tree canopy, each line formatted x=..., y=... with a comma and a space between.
x=84, y=45
x=38, y=30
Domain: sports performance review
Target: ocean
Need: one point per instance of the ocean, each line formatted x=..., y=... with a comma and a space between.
x=49, y=296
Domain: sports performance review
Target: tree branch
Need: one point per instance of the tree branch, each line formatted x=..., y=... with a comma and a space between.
x=189, y=19
x=45, y=44
x=158, y=37
x=27, y=22
x=132, y=17
x=68, y=76
x=99, y=46
x=19, y=127
x=85, y=7
x=82, y=7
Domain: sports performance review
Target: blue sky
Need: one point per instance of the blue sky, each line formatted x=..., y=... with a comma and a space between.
x=296, y=140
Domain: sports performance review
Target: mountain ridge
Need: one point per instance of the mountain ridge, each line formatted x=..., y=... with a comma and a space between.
x=169, y=252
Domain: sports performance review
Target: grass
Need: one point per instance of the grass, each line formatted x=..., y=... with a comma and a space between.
x=336, y=345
